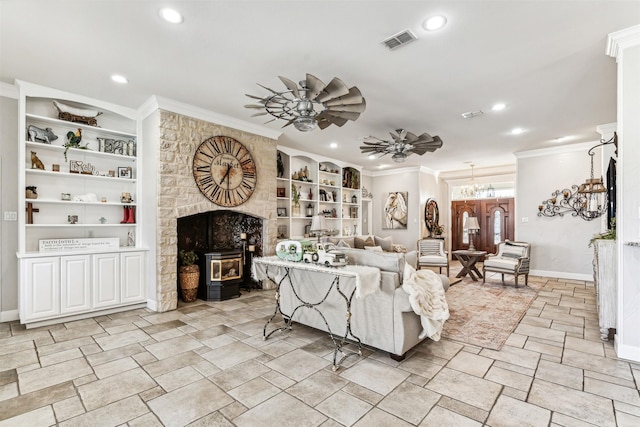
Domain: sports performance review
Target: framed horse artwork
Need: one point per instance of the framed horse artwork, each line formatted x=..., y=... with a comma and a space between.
x=396, y=210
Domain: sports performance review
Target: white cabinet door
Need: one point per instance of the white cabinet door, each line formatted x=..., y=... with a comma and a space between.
x=133, y=286
x=106, y=280
x=75, y=283
x=40, y=294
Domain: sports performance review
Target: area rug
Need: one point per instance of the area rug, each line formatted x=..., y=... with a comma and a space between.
x=485, y=315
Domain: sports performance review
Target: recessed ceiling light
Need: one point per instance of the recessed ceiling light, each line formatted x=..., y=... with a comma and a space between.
x=498, y=107
x=333, y=145
x=171, y=15
x=434, y=23
x=516, y=131
x=119, y=79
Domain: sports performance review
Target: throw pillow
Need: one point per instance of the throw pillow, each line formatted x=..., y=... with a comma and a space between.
x=343, y=244
x=385, y=243
x=374, y=248
x=360, y=243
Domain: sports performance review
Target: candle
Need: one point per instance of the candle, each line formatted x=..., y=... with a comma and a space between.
x=243, y=236
x=252, y=248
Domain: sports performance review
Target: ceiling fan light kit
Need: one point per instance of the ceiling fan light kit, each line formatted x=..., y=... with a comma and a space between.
x=311, y=103
x=402, y=145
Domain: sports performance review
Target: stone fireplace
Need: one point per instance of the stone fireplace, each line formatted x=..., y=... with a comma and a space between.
x=179, y=197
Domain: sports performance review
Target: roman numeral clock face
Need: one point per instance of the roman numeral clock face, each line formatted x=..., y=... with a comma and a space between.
x=224, y=171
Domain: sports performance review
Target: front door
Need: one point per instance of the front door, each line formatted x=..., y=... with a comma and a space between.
x=495, y=217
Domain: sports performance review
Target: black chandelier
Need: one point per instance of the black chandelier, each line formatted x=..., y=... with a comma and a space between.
x=582, y=201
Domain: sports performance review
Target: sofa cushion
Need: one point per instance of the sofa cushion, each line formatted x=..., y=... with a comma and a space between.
x=385, y=261
x=359, y=243
x=500, y=262
x=374, y=248
x=384, y=242
x=343, y=244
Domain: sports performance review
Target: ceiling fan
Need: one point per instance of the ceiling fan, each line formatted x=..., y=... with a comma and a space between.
x=403, y=144
x=311, y=104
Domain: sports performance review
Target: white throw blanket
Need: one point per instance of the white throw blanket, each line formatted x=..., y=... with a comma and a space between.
x=367, y=279
x=426, y=296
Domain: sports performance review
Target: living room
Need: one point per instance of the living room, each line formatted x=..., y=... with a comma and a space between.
x=176, y=127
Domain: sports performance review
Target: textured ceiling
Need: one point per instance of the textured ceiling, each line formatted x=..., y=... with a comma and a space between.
x=545, y=59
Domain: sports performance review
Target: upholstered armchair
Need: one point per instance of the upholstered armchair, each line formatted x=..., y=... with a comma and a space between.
x=431, y=254
x=512, y=258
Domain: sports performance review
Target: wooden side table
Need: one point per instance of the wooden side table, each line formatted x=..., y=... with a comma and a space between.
x=468, y=259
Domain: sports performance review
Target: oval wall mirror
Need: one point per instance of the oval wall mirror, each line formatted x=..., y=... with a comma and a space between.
x=431, y=215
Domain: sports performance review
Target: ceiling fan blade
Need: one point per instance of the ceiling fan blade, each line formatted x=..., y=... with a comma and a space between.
x=254, y=106
x=353, y=97
x=355, y=108
x=410, y=137
x=291, y=85
x=326, y=117
x=336, y=88
x=262, y=113
x=347, y=115
x=425, y=137
x=314, y=86
x=269, y=89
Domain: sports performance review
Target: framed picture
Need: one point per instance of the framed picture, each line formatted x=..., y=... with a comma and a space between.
x=282, y=211
x=124, y=172
x=395, y=213
x=329, y=196
x=281, y=192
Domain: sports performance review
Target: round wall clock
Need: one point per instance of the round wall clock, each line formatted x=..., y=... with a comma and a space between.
x=224, y=171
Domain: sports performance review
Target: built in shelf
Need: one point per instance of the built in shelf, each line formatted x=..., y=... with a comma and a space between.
x=36, y=117
x=77, y=175
x=128, y=224
x=72, y=202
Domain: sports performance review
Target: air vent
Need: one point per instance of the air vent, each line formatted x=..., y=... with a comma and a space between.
x=399, y=39
x=470, y=114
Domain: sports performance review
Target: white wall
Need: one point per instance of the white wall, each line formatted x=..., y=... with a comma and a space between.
x=8, y=202
x=420, y=184
x=384, y=183
x=559, y=245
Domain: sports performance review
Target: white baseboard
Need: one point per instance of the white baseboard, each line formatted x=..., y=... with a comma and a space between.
x=9, y=316
x=152, y=305
x=562, y=275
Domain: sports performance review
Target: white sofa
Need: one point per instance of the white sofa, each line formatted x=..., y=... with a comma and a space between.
x=383, y=320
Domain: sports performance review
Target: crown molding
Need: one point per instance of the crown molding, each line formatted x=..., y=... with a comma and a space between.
x=409, y=169
x=8, y=90
x=569, y=148
x=160, y=103
x=623, y=39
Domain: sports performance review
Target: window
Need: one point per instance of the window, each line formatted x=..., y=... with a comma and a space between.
x=497, y=227
x=465, y=232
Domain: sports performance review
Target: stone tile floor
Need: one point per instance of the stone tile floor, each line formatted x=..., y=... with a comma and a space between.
x=206, y=364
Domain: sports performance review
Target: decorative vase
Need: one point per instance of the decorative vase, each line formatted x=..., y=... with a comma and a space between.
x=189, y=280
x=295, y=210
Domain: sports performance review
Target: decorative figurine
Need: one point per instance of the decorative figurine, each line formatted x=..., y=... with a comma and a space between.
x=73, y=141
x=73, y=219
x=36, y=163
x=102, y=220
x=126, y=198
x=280, y=166
x=131, y=239
x=38, y=134
x=31, y=192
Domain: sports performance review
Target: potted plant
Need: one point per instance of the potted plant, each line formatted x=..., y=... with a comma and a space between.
x=189, y=275
x=295, y=198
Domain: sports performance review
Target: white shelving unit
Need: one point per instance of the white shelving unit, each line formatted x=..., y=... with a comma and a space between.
x=57, y=286
x=323, y=189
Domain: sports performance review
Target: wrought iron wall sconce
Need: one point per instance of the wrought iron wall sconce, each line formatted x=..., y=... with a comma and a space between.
x=582, y=201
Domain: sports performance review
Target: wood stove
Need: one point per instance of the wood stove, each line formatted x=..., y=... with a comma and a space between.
x=223, y=275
